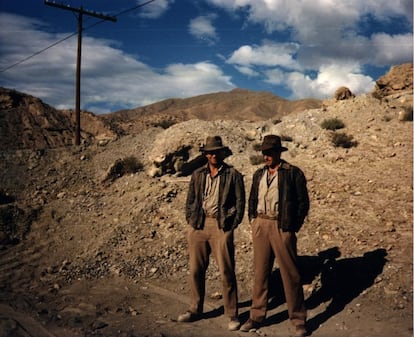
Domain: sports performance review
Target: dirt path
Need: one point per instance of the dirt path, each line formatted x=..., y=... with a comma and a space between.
x=120, y=307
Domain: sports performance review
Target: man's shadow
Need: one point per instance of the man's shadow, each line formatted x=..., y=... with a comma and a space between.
x=341, y=280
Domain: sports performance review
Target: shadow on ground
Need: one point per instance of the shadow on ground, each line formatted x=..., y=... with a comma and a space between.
x=342, y=280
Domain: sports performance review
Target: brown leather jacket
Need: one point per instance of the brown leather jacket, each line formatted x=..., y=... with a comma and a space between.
x=231, y=198
x=293, y=204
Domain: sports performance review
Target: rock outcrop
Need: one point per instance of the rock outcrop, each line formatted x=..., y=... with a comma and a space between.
x=399, y=79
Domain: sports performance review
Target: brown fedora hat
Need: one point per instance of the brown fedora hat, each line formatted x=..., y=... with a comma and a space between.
x=213, y=144
x=272, y=142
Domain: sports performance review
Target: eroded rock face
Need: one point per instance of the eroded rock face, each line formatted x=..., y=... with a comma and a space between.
x=177, y=150
x=397, y=80
x=29, y=123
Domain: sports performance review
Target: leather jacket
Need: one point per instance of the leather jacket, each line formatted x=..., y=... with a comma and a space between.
x=231, y=198
x=293, y=204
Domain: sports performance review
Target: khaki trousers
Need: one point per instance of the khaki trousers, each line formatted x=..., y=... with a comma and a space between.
x=269, y=242
x=201, y=243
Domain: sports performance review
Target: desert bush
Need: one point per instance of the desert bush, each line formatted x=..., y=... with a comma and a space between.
x=131, y=165
x=341, y=139
x=332, y=124
x=286, y=138
x=256, y=159
x=256, y=146
x=165, y=123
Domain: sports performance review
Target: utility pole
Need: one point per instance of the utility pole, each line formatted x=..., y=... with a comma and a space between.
x=80, y=11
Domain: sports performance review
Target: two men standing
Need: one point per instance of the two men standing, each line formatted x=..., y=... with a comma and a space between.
x=277, y=207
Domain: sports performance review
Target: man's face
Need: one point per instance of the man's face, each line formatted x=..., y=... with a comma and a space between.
x=271, y=157
x=215, y=157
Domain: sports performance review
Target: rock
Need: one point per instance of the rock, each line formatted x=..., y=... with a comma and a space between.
x=405, y=115
x=398, y=79
x=343, y=93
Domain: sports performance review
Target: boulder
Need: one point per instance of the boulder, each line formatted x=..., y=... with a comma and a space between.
x=343, y=93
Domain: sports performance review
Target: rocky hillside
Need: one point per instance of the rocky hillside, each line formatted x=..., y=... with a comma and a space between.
x=397, y=81
x=238, y=104
x=28, y=123
x=93, y=238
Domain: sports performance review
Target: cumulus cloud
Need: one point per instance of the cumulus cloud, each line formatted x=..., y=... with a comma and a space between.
x=328, y=30
x=324, y=84
x=202, y=28
x=267, y=55
x=108, y=74
x=328, y=36
x=391, y=49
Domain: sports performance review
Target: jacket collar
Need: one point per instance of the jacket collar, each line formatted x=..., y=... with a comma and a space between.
x=284, y=165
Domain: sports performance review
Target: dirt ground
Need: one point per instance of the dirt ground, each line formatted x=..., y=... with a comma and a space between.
x=84, y=259
x=118, y=306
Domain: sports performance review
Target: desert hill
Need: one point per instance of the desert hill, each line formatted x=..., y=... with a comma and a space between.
x=93, y=238
x=238, y=104
x=27, y=122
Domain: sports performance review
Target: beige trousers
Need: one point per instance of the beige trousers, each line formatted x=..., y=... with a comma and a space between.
x=269, y=242
x=202, y=242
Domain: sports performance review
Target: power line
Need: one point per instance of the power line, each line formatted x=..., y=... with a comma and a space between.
x=73, y=34
x=37, y=53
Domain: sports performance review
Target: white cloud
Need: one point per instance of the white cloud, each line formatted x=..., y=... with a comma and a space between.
x=272, y=54
x=328, y=30
x=248, y=71
x=110, y=77
x=329, y=41
x=154, y=9
x=275, y=76
x=328, y=79
x=196, y=78
x=391, y=49
x=202, y=28
x=305, y=14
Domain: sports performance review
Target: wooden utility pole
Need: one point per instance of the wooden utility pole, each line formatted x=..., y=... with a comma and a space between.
x=80, y=11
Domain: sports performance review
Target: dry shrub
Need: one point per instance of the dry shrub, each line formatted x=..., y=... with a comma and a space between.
x=332, y=124
x=286, y=138
x=257, y=146
x=165, y=123
x=341, y=139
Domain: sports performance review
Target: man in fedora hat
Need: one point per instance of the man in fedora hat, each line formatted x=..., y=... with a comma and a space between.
x=277, y=207
x=214, y=208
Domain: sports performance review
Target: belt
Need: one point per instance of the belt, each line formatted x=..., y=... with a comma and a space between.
x=268, y=217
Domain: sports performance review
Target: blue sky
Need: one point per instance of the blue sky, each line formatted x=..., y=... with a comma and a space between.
x=183, y=48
